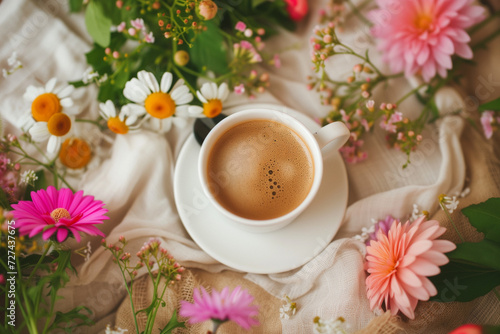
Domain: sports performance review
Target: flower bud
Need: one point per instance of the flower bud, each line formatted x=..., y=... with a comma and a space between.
x=181, y=58
x=207, y=9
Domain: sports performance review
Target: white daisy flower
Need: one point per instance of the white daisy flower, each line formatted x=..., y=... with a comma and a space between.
x=121, y=123
x=158, y=102
x=49, y=100
x=450, y=203
x=212, y=98
x=330, y=326
x=56, y=130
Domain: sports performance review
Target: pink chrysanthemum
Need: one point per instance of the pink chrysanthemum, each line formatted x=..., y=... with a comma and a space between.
x=59, y=211
x=420, y=36
x=398, y=265
x=221, y=307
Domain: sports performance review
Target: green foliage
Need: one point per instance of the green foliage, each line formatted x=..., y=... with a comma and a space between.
x=69, y=321
x=172, y=324
x=75, y=5
x=474, y=269
x=486, y=218
x=4, y=200
x=492, y=105
x=209, y=51
x=98, y=23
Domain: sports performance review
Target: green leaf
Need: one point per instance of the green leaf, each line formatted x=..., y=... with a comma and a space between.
x=464, y=282
x=75, y=5
x=208, y=50
x=485, y=217
x=98, y=24
x=492, y=105
x=173, y=323
x=484, y=253
x=4, y=200
x=40, y=183
x=68, y=319
x=255, y=3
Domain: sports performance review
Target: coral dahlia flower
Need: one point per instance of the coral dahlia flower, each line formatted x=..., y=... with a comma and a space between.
x=59, y=212
x=398, y=265
x=420, y=36
x=221, y=307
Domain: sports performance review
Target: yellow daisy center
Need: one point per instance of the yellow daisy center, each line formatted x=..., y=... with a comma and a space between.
x=117, y=126
x=59, y=213
x=212, y=108
x=44, y=106
x=59, y=124
x=423, y=21
x=160, y=105
x=75, y=153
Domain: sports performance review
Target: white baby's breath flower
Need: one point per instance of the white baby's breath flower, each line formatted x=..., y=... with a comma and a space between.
x=212, y=98
x=162, y=103
x=450, y=203
x=330, y=326
x=14, y=65
x=288, y=308
x=89, y=75
x=115, y=330
x=28, y=177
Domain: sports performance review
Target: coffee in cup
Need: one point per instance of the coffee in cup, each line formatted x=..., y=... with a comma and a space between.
x=260, y=169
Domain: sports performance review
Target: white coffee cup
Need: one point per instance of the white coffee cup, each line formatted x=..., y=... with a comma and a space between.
x=334, y=134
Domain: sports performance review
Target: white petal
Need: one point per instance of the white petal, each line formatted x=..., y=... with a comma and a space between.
x=223, y=92
x=165, y=124
x=149, y=80
x=136, y=91
x=201, y=97
x=32, y=92
x=66, y=102
x=53, y=144
x=130, y=120
x=50, y=85
x=108, y=109
x=134, y=109
x=178, y=84
x=39, y=131
x=66, y=91
x=26, y=121
x=207, y=91
x=184, y=99
x=179, y=92
x=166, y=82
x=179, y=122
x=195, y=111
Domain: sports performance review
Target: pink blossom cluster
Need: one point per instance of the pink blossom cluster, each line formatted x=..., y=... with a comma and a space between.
x=138, y=27
x=351, y=150
x=490, y=122
x=334, y=12
x=9, y=177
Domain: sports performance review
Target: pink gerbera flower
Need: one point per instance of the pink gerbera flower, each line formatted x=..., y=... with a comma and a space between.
x=59, y=212
x=420, y=36
x=221, y=307
x=398, y=265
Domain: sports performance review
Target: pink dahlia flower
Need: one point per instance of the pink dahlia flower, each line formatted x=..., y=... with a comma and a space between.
x=468, y=329
x=221, y=307
x=398, y=265
x=59, y=212
x=420, y=36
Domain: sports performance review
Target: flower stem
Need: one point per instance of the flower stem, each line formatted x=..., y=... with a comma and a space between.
x=356, y=12
x=484, y=42
x=480, y=25
x=452, y=222
x=216, y=325
x=410, y=93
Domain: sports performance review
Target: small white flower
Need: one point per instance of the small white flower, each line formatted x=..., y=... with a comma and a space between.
x=331, y=326
x=13, y=63
x=212, y=98
x=115, y=330
x=28, y=177
x=121, y=123
x=416, y=213
x=89, y=75
x=464, y=193
x=450, y=203
x=288, y=309
x=160, y=104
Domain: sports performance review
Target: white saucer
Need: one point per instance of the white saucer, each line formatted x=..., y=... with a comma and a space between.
x=264, y=253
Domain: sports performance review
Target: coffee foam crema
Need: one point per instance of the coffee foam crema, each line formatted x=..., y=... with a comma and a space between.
x=260, y=169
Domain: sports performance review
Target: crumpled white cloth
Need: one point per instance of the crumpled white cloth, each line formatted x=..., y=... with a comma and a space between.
x=135, y=179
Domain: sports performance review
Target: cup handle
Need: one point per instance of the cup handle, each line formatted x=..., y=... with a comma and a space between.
x=336, y=134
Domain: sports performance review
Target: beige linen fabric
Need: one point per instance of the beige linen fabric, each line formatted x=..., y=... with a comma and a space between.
x=135, y=181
